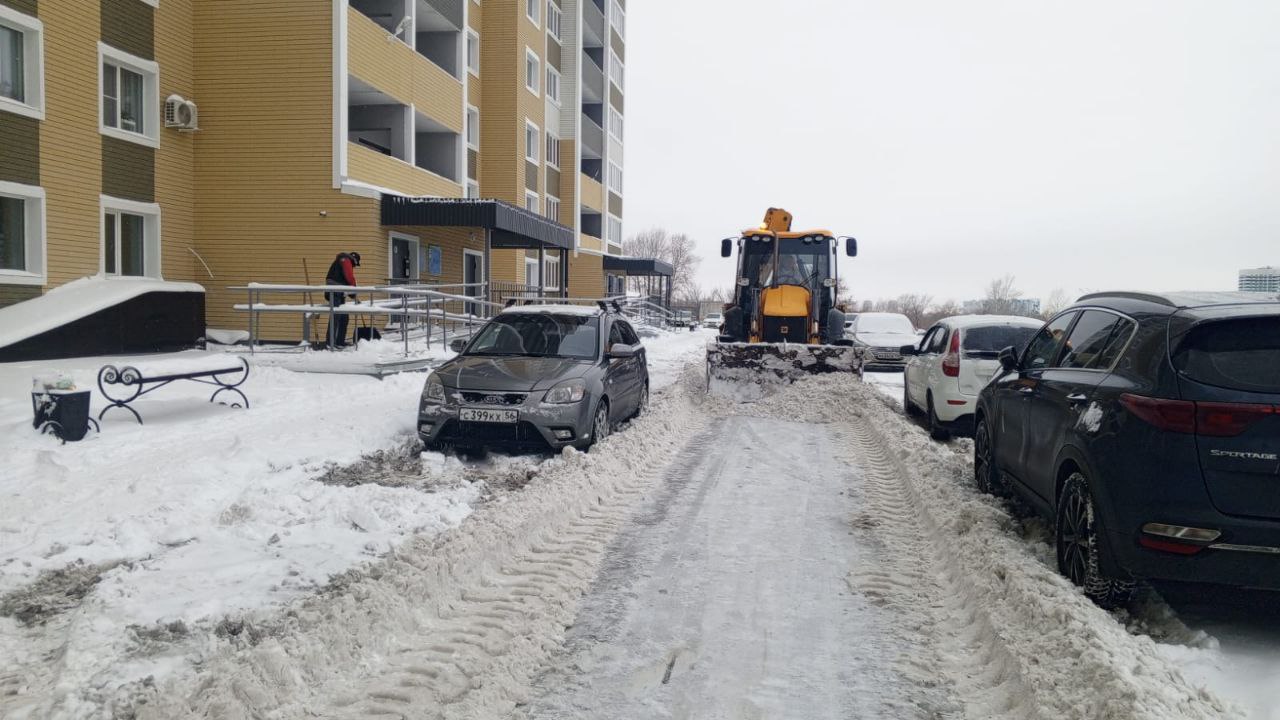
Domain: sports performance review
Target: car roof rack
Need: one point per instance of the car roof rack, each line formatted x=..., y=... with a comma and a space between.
x=510, y=302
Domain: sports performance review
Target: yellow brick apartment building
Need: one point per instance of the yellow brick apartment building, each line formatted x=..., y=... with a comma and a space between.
x=227, y=141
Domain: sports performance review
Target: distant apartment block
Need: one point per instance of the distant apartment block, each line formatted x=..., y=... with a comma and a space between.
x=1262, y=279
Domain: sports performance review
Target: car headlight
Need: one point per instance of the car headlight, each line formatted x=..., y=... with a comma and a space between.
x=433, y=391
x=569, y=391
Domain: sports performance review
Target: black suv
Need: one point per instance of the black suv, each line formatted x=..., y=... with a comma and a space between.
x=1147, y=427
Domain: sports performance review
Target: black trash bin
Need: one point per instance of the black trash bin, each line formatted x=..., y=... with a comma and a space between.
x=64, y=413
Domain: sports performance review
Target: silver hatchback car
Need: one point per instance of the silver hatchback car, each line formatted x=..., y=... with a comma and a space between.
x=537, y=377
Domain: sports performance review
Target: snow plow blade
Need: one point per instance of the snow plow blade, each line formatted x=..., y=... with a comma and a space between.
x=750, y=369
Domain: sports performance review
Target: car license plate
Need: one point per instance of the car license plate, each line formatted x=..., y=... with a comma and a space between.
x=487, y=416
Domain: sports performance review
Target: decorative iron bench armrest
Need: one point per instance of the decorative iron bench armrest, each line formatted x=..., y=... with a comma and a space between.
x=136, y=383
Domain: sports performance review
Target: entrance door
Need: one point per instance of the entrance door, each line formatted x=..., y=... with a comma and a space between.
x=404, y=255
x=472, y=276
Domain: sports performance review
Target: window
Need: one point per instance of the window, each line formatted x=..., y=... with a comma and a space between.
x=553, y=84
x=1089, y=339
x=531, y=70
x=553, y=208
x=615, y=124
x=615, y=230
x=21, y=233
x=473, y=52
x=615, y=69
x=530, y=142
x=130, y=97
x=1237, y=353
x=130, y=238
x=551, y=272
x=628, y=334
x=1044, y=347
x=553, y=20
x=21, y=63
x=473, y=128
x=618, y=18
x=531, y=201
x=553, y=150
x=473, y=189
x=531, y=9
x=615, y=178
x=530, y=272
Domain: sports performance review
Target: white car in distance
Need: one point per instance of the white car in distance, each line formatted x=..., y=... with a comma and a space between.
x=953, y=361
x=713, y=320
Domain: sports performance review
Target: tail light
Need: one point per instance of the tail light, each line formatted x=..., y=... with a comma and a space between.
x=951, y=361
x=1212, y=419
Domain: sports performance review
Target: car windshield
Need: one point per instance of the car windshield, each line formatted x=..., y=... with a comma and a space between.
x=1239, y=354
x=888, y=324
x=538, y=335
x=989, y=340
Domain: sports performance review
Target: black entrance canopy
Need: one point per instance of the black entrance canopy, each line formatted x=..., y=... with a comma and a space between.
x=509, y=226
x=636, y=266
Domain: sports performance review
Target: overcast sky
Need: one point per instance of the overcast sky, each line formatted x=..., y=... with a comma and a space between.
x=1081, y=145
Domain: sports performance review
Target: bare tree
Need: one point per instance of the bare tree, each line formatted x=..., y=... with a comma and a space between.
x=868, y=306
x=939, y=311
x=675, y=249
x=1000, y=296
x=915, y=306
x=1056, y=301
x=691, y=293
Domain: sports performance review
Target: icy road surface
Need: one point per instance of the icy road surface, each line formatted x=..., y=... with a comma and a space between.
x=727, y=595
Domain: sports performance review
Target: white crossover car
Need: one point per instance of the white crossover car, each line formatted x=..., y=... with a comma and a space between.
x=953, y=361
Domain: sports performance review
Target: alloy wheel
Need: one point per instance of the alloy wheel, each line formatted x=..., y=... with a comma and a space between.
x=982, y=459
x=600, y=426
x=1075, y=536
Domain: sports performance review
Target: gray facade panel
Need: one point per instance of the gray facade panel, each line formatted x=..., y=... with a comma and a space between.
x=592, y=136
x=129, y=25
x=473, y=163
x=128, y=170
x=615, y=204
x=553, y=182
x=615, y=99
x=20, y=141
x=14, y=294
x=29, y=7
x=615, y=41
x=531, y=175
x=553, y=53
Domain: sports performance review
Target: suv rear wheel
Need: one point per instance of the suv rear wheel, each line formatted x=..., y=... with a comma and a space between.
x=985, y=474
x=1076, y=531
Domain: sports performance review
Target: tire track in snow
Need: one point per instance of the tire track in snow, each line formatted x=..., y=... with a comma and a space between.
x=453, y=626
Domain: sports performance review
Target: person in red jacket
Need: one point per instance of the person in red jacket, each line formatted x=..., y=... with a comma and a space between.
x=341, y=272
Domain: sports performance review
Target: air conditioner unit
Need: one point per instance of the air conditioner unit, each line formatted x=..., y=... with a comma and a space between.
x=181, y=114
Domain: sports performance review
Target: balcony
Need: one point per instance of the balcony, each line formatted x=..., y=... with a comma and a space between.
x=398, y=70
x=592, y=138
x=592, y=80
x=370, y=166
x=393, y=146
x=593, y=198
x=594, y=28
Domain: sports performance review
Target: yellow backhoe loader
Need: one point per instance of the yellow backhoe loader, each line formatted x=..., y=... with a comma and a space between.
x=782, y=322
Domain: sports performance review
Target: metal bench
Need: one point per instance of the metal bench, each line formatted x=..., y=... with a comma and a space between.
x=147, y=379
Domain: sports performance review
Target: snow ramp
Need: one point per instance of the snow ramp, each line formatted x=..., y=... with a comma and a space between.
x=103, y=316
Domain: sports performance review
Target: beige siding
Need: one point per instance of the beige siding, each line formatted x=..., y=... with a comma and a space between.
x=592, y=193
x=590, y=242
x=401, y=72
x=586, y=276
x=373, y=167
x=175, y=188
x=501, y=132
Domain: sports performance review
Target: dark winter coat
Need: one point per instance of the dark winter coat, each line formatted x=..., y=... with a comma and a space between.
x=341, y=272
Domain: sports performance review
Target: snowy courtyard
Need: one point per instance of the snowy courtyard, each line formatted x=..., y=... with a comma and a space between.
x=811, y=554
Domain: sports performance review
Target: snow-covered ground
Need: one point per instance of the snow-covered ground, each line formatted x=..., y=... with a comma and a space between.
x=798, y=556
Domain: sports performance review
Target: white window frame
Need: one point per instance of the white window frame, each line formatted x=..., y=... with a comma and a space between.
x=533, y=5
x=530, y=272
x=473, y=41
x=616, y=66
x=613, y=113
x=610, y=219
x=150, y=71
x=536, y=75
x=33, y=234
x=554, y=20
x=531, y=149
x=551, y=272
x=553, y=81
x=472, y=112
x=618, y=19
x=473, y=190
x=552, y=142
x=151, y=238
x=551, y=207
x=529, y=196
x=32, y=105
x=615, y=186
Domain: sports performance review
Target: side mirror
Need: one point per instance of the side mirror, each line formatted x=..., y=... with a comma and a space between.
x=618, y=351
x=851, y=247
x=1008, y=359
x=726, y=247
x=458, y=345
x=909, y=350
